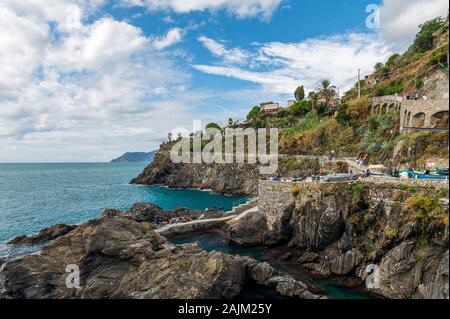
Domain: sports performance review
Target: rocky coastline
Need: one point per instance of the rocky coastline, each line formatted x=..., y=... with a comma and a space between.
x=231, y=179
x=121, y=256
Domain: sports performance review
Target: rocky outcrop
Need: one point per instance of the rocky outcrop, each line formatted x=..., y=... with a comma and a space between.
x=147, y=212
x=234, y=179
x=247, y=230
x=394, y=234
x=45, y=235
x=139, y=212
x=121, y=258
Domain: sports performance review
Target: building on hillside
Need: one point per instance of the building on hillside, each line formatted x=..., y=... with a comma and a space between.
x=290, y=103
x=333, y=102
x=270, y=107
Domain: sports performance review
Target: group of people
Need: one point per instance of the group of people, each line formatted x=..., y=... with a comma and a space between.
x=158, y=222
x=415, y=96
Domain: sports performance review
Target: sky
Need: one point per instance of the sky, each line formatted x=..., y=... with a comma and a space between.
x=85, y=81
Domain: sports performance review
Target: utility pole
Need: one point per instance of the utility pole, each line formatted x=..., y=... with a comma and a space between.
x=359, y=83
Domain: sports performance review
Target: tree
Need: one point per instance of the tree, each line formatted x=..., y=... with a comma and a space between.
x=425, y=38
x=300, y=108
x=254, y=113
x=230, y=122
x=213, y=126
x=378, y=67
x=326, y=91
x=313, y=98
x=169, y=137
x=300, y=93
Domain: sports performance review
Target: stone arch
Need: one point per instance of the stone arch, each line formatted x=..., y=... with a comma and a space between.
x=418, y=120
x=439, y=120
x=376, y=109
x=392, y=108
x=384, y=108
x=405, y=116
x=408, y=119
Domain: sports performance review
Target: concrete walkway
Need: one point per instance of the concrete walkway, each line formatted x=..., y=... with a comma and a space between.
x=201, y=224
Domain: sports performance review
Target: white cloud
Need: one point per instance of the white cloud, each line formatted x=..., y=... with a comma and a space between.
x=234, y=55
x=172, y=37
x=400, y=19
x=239, y=8
x=77, y=90
x=280, y=67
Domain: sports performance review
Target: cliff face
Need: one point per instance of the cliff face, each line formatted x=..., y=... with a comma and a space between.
x=234, y=179
x=397, y=232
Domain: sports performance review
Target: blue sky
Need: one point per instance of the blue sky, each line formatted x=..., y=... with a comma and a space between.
x=88, y=80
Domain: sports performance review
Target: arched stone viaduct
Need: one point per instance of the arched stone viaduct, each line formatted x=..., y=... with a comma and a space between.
x=414, y=114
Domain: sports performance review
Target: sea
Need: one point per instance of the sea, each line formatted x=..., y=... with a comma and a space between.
x=35, y=196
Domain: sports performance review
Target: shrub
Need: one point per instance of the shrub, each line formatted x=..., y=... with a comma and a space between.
x=368, y=246
x=425, y=38
x=300, y=108
x=439, y=56
x=390, y=233
x=295, y=190
x=426, y=210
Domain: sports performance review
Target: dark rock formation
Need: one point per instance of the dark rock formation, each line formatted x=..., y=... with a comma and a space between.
x=45, y=235
x=234, y=179
x=121, y=258
x=247, y=231
x=147, y=212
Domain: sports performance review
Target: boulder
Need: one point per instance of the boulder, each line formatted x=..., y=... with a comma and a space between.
x=248, y=230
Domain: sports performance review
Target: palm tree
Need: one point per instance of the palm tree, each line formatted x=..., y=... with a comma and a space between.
x=313, y=97
x=326, y=91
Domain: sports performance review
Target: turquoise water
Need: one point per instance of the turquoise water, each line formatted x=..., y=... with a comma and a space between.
x=34, y=196
x=219, y=242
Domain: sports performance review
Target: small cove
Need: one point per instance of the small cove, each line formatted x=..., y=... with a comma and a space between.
x=218, y=241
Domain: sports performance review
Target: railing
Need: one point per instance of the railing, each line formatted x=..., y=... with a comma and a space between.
x=432, y=129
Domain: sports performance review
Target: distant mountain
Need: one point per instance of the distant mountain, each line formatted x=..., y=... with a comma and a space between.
x=136, y=157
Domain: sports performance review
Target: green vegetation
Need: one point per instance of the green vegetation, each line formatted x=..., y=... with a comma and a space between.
x=300, y=93
x=359, y=192
x=300, y=108
x=426, y=36
x=368, y=246
x=427, y=210
x=213, y=126
x=439, y=57
x=380, y=133
x=390, y=233
x=184, y=263
x=295, y=190
x=390, y=89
